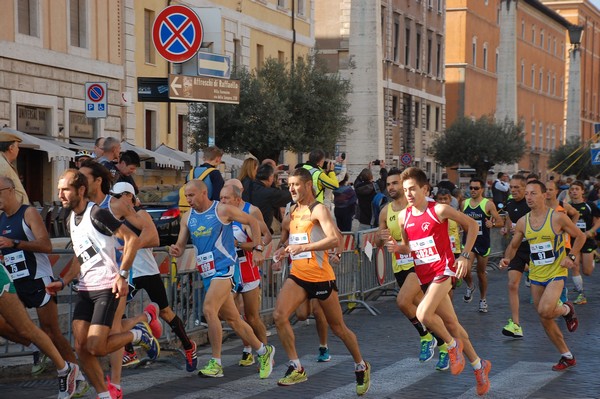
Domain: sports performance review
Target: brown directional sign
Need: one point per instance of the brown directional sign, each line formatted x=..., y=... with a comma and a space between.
x=205, y=89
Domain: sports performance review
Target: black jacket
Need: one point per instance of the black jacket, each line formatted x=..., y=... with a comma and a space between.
x=365, y=191
x=267, y=199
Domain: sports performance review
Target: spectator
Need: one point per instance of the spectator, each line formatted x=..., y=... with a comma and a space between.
x=322, y=173
x=265, y=197
x=365, y=191
x=9, y=150
x=127, y=166
x=112, y=151
x=81, y=157
x=382, y=181
x=446, y=183
x=247, y=175
x=532, y=176
x=98, y=148
x=344, y=200
x=500, y=190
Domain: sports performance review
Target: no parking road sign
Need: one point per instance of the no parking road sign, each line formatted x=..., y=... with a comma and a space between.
x=406, y=159
x=96, y=105
x=177, y=33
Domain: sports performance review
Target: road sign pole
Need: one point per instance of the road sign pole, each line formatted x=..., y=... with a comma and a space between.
x=211, y=124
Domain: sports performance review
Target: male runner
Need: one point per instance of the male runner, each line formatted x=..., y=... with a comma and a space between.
x=24, y=244
x=248, y=272
x=409, y=294
x=480, y=209
x=209, y=223
x=311, y=231
x=101, y=282
x=588, y=223
x=516, y=207
x=544, y=229
x=425, y=231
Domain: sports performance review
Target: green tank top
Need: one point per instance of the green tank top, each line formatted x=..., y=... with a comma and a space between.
x=399, y=261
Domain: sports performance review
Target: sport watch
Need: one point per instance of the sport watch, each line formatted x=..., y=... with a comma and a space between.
x=124, y=274
x=572, y=257
x=16, y=243
x=466, y=255
x=258, y=248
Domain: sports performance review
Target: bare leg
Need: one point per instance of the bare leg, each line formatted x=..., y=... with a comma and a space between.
x=482, y=262
x=333, y=311
x=290, y=297
x=252, y=312
x=321, y=321
x=48, y=317
x=514, y=279
x=545, y=300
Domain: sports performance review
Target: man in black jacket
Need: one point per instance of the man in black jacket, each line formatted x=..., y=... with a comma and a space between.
x=262, y=195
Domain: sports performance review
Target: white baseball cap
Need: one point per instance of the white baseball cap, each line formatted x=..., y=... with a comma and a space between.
x=122, y=187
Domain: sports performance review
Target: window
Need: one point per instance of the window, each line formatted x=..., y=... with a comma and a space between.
x=394, y=109
x=533, y=135
x=237, y=53
x=522, y=29
x=281, y=57
x=417, y=114
x=540, y=136
x=554, y=85
x=437, y=119
x=553, y=139
x=396, y=38
x=438, y=58
x=542, y=39
x=429, y=49
x=554, y=46
x=533, y=77
x=149, y=52
x=548, y=84
x=485, y=57
x=430, y=4
x=474, y=51
x=301, y=8
x=497, y=60
x=383, y=32
x=541, y=79
x=77, y=22
x=547, y=143
x=418, y=56
x=533, y=34
x=260, y=56
x=150, y=129
x=407, y=45
x=439, y=6
x=427, y=117
x=522, y=72
x=28, y=17
x=281, y=3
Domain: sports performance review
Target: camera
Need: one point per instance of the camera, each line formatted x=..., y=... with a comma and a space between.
x=343, y=155
x=376, y=162
x=284, y=167
x=326, y=165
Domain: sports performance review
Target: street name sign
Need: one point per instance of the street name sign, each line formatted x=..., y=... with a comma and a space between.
x=204, y=89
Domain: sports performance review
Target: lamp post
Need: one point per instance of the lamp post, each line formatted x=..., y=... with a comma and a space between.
x=573, y=127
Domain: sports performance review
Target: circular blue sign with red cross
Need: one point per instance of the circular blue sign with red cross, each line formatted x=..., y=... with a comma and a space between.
x=406, y=159
x=177, y=33
x=95, y=92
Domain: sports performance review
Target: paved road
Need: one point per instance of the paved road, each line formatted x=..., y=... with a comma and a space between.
x=521, y=368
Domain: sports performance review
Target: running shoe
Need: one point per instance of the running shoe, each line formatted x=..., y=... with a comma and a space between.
x=443, y=362
x=246, y=360
x=564, y=363
x=323, y=355
x=482, y=376
x=212, y=369
x=512, y=329
x=266, y=362
x=292, y=376
x=483, y=307
x=66, y=383
x=191, y=359
x=154, y=323
x=363, y=379
x=457, y=359
x=114, y=392
x=81, y=388
x=427, y=349
x=571, y=318
x=581, y=299
x=130, y=358
x=469, y=294
x=564, y=296
x=39, y=363
x=148, y=341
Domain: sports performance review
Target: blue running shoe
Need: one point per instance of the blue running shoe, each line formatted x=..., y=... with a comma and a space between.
x=148, y=341
x=427, y=349
x=443, y=362
x=323, y=355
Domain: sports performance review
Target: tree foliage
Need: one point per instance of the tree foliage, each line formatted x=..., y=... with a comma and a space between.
x=281, y=108
x=573, y=159
x=480, y=143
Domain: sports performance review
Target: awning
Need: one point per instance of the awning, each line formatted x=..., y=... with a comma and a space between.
x=49, y=146
x=191, y=158
x=159, y=159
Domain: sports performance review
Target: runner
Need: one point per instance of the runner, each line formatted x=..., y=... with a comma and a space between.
x=516, y=207
x=424, y=227
x=312, y=232
x=480, y=209
x=248, y=273
x=588, y=223
x=443, y=196
x=209, y=223
x=543, y=228
x=409, y=294
x=25, y=244
x=101, y=282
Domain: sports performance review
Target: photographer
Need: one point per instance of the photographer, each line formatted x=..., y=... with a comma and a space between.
x=322, y=172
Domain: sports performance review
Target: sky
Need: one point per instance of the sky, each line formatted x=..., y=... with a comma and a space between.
x=596, y=3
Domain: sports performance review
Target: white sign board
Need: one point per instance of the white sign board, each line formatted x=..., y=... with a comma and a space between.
x=96, y=104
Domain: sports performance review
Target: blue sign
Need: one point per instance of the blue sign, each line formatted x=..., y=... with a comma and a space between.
x=96, y=104
x=177, y=33
x=214, y=65
x=597, y=128
x=595, y=156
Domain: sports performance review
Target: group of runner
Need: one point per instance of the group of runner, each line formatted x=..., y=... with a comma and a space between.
x=112, y=241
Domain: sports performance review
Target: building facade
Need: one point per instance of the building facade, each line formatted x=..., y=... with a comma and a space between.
x=392, y=51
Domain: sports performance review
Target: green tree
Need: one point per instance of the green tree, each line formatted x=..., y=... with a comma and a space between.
x=573, y=158
x=480, y=143
x=281, y=108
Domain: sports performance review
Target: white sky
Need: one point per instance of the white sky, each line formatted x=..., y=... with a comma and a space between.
x=596, y=3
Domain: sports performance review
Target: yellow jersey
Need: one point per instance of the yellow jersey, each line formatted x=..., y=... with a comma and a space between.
x=399, y=261
x=547, y=250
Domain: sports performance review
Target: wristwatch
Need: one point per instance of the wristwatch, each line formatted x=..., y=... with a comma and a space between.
x=258, y=248
x=572, y=257
x=466, y=255
x=16, y=243
x=124, y=274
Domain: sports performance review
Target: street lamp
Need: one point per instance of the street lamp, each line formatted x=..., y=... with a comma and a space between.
x=573, y=122
x=575, y=33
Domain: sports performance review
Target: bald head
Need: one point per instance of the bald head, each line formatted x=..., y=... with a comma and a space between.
x=197, y=184
x=235, y=183
x=231, y=195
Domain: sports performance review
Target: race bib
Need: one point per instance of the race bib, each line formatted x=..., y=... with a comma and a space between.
x=581, y=225
x=479, y=223
x=300, y=238
x=86, y=252
x=453, y=244
x=402, y=259
x=424, y=251
x=542, y=253
x=205, y=263
x=16, y=266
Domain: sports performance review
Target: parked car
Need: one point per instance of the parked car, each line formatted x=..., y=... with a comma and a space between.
x=162, y=203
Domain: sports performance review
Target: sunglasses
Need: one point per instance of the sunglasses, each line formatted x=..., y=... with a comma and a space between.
x=474, y=188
